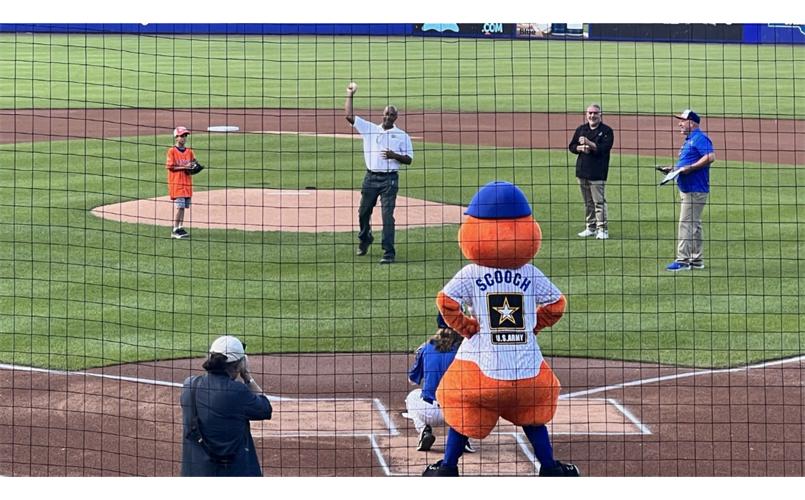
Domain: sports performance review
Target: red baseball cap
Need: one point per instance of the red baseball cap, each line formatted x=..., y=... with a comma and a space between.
x=180, y=131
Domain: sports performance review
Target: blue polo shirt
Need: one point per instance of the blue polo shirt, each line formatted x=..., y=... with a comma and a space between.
x=429, y=368
x=696, y=146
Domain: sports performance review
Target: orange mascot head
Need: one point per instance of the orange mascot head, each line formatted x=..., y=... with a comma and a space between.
x=499, y=230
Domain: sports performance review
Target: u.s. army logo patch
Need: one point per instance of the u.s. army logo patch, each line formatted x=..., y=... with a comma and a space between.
x=506, y=318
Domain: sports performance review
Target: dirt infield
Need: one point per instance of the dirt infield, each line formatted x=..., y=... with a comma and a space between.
x=735, y=139
x=306, y=211
x=340, y=415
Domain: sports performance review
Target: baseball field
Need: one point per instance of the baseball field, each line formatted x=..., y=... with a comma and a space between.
x=102, y=314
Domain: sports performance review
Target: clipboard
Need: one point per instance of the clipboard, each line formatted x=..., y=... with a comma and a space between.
x=673, y=174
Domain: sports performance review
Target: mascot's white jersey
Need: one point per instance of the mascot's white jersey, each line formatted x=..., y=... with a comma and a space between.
x=504, y=301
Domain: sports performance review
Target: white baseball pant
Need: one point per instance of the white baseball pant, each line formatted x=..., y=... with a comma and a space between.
x=422, y=412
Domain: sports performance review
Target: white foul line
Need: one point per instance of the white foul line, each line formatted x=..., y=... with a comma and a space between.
x=311, y=434
x=379, y=455
x=629, y=415
x=111, y=377
x=31, y=369
x=680, y=376
x=527, y=452
x=386, y=417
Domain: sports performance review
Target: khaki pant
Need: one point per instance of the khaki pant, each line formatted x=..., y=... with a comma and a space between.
x=595, y=203
x=691, y=239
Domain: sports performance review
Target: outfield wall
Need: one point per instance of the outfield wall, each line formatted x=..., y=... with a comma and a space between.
x=772, y=33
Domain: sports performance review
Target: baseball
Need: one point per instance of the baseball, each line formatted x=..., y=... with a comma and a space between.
x=352, y=86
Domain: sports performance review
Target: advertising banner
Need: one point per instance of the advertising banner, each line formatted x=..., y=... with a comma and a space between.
x=491, y=30
x=724, y=33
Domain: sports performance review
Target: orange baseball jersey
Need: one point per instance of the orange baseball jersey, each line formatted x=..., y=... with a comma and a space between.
x=180, y=183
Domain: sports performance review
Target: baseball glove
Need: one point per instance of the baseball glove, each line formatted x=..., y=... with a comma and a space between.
x=197, y=167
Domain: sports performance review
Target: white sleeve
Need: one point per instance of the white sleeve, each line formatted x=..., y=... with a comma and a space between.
x=460, y=287
x=362, y=126
x=408, y=148
x=545, y=292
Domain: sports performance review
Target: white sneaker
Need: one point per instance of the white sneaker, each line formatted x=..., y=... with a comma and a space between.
x=586, y=233
x=602, y=235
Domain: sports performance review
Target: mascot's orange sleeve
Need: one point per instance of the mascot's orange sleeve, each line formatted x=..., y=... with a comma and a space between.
x=451, y=312
x=549, y=314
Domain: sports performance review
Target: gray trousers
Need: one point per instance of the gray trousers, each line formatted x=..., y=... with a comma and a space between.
x=595, y=203
x=385, y=187
x=691, y=238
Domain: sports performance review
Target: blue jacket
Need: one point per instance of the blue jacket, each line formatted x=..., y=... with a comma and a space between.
x=225, y=407
x=429, y=368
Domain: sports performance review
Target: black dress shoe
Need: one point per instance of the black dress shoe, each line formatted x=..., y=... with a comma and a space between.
x=387, y=259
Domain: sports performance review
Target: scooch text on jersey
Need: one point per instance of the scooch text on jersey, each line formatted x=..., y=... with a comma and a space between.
x=491, y=279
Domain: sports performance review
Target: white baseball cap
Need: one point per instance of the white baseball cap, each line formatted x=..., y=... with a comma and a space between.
x=689, y=114
x=180, y=131
x=229, y=346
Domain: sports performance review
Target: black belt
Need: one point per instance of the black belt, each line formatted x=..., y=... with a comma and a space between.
x=381, y=173
x=428, y=400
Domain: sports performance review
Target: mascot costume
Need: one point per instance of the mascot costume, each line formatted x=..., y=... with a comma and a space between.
x=499, y=370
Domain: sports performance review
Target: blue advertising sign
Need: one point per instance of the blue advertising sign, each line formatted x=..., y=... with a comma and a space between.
x=774, y=33
x=491, y=30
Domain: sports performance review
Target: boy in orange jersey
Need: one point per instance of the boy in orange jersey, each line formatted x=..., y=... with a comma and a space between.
x=180, y=183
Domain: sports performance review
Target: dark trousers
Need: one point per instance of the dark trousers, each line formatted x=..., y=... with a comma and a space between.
x=374, y=186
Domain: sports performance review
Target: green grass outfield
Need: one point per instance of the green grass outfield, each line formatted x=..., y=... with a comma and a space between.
x=79, y=291
x=56, y=71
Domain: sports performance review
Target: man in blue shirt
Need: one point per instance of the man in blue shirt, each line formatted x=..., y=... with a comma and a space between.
x=432, y=360
x=695, y=158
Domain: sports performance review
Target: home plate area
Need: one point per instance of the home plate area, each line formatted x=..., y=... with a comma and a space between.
x=392, y=438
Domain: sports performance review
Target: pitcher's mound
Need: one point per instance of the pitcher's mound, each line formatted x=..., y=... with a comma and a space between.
x=305, y=211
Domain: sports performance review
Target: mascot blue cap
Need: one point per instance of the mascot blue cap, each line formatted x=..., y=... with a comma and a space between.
x=440, y=321
x=499, y=200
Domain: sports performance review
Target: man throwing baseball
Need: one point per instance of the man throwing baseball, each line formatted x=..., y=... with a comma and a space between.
x=385, y=148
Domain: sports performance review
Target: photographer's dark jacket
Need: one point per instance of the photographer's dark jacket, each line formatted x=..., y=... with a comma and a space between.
x=225, y=407
x=595, y=165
